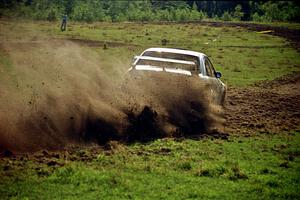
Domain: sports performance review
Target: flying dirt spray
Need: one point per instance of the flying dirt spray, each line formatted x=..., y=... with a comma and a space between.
x=57, y=93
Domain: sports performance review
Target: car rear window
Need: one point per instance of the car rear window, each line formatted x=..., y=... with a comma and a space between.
x=164, y=64
x=175, y=56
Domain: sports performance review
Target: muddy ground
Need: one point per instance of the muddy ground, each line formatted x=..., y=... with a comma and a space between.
x=266, y=107
x=269, y=106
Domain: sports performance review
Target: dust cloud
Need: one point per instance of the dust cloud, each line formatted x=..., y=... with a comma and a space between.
x=57, y=93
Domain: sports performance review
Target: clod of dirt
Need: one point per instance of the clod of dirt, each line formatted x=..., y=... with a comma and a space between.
x=163, y=151
x=237, y=174
x=52, y=163
x=56, y=155
x=144, y=126
x=100, y=131
x=164, y=42
x=45, y=153
x=6, y=153
x=284, y=164
x=113, y=146
x=215, y=133
x=291, y=158
x=6, y=168
x=105, y=46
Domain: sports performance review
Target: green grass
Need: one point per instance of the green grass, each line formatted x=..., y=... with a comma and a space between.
x=265, y=166
x=244, y=57
x=240, y=168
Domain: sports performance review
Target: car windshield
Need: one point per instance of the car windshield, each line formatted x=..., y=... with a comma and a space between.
x=166, y=64
x=176, y=56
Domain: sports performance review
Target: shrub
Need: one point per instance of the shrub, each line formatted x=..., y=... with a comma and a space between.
x=256, y=17
x=226, y=16
x=88, y=12
x=196, y=16
x=163, y=15
x=276, y=11
x=120, y=18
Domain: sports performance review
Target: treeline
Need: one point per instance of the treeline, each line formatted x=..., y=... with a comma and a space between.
x=151, y=10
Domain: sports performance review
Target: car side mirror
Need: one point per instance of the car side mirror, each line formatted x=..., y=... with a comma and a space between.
x=218, y=74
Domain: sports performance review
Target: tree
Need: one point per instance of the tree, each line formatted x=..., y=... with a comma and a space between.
x=195, y=14
x=238, y=14
x=149, y=10
x=88, y=11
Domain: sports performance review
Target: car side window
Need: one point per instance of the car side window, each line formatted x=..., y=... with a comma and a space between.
x=208, y=67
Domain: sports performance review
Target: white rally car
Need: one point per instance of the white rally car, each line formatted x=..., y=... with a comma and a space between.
x=184, y=62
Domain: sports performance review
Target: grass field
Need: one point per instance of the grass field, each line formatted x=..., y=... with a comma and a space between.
x=262, y=166
x=243, y=56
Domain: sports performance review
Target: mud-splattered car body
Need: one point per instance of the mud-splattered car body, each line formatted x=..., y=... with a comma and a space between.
x=182, y=62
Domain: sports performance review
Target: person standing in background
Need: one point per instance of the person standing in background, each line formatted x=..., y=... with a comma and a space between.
x=64, y=23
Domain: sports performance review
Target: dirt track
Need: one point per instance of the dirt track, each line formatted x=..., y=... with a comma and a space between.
x=293, y=35
x=272, y=106
x=268, y=106
x=66, y=103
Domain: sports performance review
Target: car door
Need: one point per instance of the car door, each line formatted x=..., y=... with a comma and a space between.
x=215, y=85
